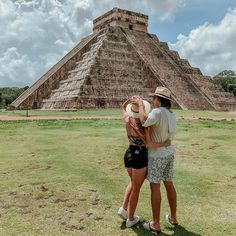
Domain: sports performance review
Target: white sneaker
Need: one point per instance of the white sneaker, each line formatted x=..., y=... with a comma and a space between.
x=130, y=223
x=122, y=213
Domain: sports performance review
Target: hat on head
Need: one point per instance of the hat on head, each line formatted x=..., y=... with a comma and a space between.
x=133, y=110
x=162, y=92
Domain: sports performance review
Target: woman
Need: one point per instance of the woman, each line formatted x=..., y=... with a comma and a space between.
x=135, y=159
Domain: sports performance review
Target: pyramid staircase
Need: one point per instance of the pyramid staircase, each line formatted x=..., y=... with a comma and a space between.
x=109, y=72
x=184, y=92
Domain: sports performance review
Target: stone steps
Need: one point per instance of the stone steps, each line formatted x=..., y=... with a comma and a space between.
x=115, y=54
x=180, y=86
x=102, y=70
x=111, y=89
x=60, y=100
x=126, y=64
x=71, y=86
x=69, y=56
x=112, y=44
x=214, y=91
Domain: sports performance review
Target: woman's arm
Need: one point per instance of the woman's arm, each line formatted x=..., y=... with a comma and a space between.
x=150, y=143
x=125, y=115
x=139, y=102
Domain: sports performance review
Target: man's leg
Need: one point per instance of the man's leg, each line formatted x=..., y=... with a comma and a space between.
x=172, y=199
x=156, y=205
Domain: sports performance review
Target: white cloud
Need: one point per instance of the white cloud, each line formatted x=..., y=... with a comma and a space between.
x=165, y=8
x=6, y=8
x=210, y=47
x=35, y=34
x=15, y=68
x=84, y=4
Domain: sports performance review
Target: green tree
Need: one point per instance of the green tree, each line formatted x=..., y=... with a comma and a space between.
x=8, y=95
x=1, y=100
x=227, y=79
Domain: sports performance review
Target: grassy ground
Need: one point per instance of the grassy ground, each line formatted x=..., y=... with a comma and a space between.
x=186, y=114
x=67, y=178
x=92, y=112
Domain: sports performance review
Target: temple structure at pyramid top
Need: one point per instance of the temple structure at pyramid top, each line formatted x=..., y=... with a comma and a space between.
x=121, y=18
x=119, y=59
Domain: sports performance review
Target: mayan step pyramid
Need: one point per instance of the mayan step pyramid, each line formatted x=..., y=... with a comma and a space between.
x=118, y=60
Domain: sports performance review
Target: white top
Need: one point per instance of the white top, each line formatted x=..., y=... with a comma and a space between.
x=163, y=124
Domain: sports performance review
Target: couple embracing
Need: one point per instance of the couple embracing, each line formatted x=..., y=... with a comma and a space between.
x=149, y=155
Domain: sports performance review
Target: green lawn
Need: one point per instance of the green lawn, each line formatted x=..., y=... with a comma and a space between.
x=67, y=178
x=89, y=112
x=186, y=114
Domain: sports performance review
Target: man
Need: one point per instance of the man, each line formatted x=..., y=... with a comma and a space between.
x=160, y=160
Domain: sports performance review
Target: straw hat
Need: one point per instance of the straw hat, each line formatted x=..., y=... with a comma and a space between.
x=133, y=110
x=162, y=92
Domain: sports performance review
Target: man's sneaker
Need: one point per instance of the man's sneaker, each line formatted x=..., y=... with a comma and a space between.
x=130, y=223
x=122, y=213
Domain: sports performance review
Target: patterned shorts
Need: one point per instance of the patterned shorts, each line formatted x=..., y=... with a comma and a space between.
x=160, y=169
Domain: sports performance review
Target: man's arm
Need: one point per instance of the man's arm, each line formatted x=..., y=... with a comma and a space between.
x=149, y=143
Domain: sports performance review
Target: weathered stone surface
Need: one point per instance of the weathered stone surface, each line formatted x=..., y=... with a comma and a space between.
x=118, y=60
x=121, y=18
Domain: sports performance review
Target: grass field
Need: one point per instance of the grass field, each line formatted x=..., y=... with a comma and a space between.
x=116, y=113
x=67, y=178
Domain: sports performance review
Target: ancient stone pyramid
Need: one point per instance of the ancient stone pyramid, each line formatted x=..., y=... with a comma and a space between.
x=119, y=59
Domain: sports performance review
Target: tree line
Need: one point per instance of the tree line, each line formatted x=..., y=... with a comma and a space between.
x=226, y=79
x=9, y=94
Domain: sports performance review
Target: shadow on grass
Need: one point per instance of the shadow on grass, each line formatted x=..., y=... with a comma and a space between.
x=177, y=231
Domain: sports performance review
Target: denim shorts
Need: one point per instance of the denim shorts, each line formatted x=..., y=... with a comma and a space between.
x=136, y=157
x=160, y=169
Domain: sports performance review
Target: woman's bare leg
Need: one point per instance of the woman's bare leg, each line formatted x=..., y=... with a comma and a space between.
x=138, y=177
x=127, y=190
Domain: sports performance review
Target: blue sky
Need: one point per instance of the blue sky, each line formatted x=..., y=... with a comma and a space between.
x=35, y=34
x=190, y=15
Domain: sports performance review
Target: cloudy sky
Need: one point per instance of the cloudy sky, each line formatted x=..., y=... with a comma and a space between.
x=35, y=34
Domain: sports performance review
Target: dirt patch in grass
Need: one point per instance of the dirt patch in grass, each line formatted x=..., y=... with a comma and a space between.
x=59, y=200
x=44, y=189
x=44, y=197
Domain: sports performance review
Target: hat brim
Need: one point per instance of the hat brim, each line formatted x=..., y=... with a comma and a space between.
x=160, y=95
x=134, y=114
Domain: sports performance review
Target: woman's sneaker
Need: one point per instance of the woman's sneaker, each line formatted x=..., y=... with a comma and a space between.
x=122, y=213
x=130, y=223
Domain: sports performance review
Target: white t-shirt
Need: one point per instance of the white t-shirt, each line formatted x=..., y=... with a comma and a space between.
x=163, y=124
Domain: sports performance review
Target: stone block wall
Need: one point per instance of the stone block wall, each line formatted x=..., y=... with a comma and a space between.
x=121, y=18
